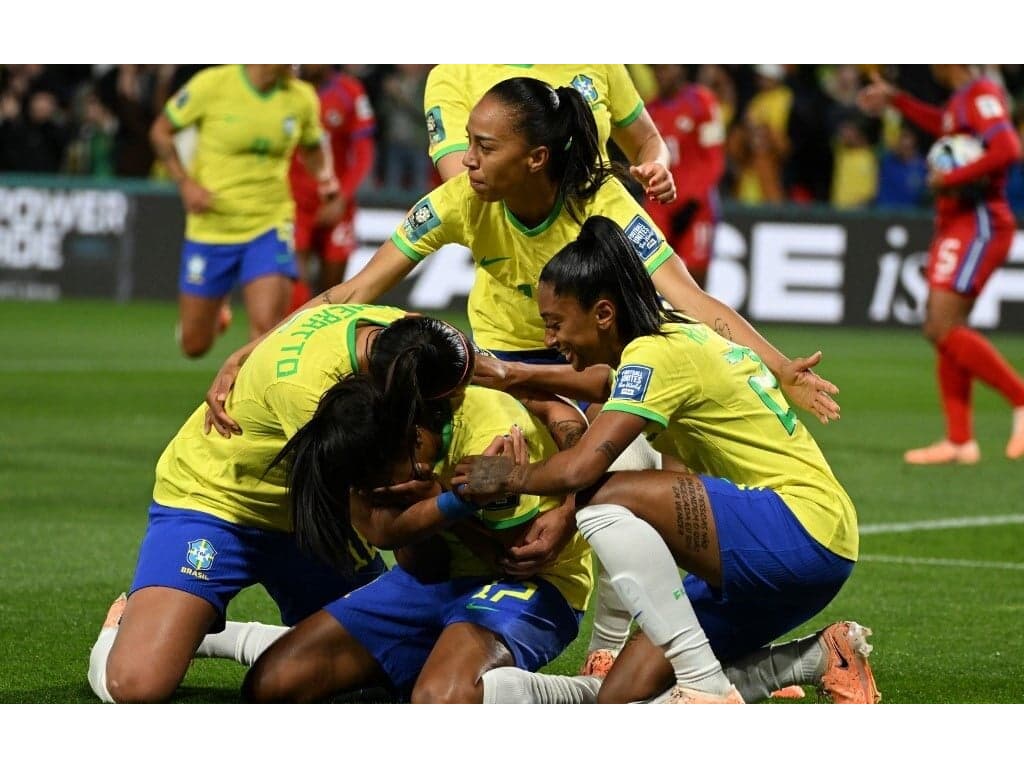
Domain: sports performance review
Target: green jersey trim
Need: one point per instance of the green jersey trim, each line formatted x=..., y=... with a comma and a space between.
x=540, y=228
x=256, y=91
x=661, y=258
x=632, y=116
x=462, y=147
x=636, y=410
x=406, y=250
x=501, y=525
x=167, y=113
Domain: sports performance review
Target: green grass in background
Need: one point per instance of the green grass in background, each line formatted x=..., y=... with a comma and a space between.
x=90, y=393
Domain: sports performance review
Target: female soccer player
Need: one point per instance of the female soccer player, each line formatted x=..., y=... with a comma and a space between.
x=619, y=114
x=433, y=635
x=765, y=549
x=534, y=175
x=220, y=521
x=250, y=119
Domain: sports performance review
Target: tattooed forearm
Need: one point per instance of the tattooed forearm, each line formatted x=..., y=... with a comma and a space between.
x=566, y=433
x=692, y=513
x=608, y=449
x=722, y=329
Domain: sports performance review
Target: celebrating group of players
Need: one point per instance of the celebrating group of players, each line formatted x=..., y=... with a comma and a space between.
x=351, y=427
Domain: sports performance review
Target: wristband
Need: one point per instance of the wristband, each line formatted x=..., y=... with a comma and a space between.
x=454, y=508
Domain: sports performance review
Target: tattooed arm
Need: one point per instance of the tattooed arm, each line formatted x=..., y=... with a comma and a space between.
x=565, y=422
x=565, y=472
x=801, y=385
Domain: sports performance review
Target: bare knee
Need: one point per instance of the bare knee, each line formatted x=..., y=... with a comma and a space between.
x=455, y=690
x=139, y=683
x=195, y=343
x=265, y=684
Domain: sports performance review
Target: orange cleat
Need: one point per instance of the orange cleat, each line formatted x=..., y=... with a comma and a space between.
x=945, y=452
x=224, y=317
x=599, y=663
x=848, y=678
x=681, y=695
x=789, y=692
x=115, y=611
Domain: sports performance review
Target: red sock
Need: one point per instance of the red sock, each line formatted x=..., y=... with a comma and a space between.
x=974, y=353
x=300, y=295
x=955, y=389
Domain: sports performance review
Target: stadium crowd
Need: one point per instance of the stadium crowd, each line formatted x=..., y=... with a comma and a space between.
x=793, y=133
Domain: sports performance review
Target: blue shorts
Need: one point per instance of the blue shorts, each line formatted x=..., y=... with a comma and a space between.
x=775, y=576
x=212, y=270
x=215, y=560
x=399, y=619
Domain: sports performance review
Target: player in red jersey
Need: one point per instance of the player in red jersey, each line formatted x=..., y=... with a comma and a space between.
x=326, y=230
x=687, y=115
x=974, y=229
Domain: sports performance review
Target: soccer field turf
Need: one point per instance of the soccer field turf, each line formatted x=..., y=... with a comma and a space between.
x=92, y=392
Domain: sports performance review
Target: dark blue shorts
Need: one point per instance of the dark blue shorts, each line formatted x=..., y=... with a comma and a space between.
x=774, y=575
x=399, y=619
x=215, y=560
x=213, y=270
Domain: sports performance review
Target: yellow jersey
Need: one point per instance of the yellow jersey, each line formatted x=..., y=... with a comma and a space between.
x=244, y=147
x=715, y=406
x=478, y=417
x=454, y=89
x=509, y=256
x=276, y=392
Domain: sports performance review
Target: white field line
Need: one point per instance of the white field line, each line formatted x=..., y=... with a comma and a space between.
x=939, y=561
x=935, y=525
x=944, y=524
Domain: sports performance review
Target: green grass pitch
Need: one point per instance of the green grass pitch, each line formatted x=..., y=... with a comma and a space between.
x=92, y=391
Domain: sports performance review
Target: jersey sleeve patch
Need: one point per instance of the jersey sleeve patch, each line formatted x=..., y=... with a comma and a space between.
x=435, y=126
x=631, y=383
x=420, y=220
x=643, y=237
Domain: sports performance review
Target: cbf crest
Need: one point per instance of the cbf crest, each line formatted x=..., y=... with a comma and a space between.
x=585, y=86
x=200, y=554
x=420, y=220
x=289, y=126
x=435, y=126
x=195, y=269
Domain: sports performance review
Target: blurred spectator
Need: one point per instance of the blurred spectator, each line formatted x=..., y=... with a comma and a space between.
x=903, y=174
x=807, y=171
x=32, y=132
x=716, y=78
x=760, y=144
x=91, y=151
x=129, y=91
x=405, y=144
x=855, y=173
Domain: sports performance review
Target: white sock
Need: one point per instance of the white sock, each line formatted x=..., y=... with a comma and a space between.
x=511, y=685
x=612, y=619
x=638, y=455
x=242, y=641
x=646, y=577
x=768, y=669
x=98, y=664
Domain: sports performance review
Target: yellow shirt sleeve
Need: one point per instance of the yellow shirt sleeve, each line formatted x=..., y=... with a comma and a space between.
x=446, y=110
x=623, y=97
x=189, y=104
x=653, y=381
x=312, y=132
x=435, y=221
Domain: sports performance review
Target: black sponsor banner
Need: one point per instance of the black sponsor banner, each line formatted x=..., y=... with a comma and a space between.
x=61, y=237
